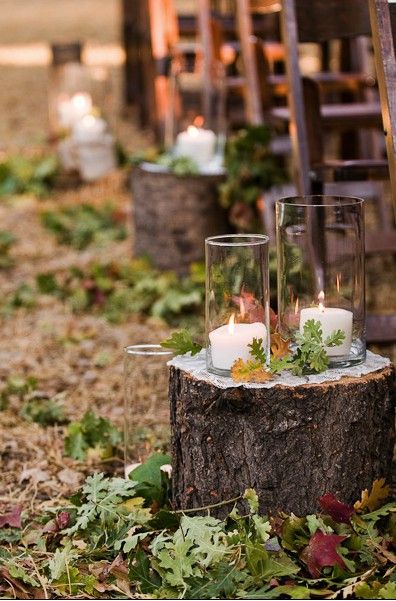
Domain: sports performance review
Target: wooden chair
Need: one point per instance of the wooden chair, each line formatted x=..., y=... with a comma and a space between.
x=383, y=25
x=314, y=21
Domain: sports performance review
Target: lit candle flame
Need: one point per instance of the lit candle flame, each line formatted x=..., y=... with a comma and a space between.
x=82, y=101
x=338, y=281
x=321, y=297
x=296, y=307
x=199, y=121
x=231, y=324
x=241, y=308
x=192, y=131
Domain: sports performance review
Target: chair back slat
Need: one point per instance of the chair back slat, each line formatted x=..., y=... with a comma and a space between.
x=254, y=109
x=383, y=22
x=332, y=19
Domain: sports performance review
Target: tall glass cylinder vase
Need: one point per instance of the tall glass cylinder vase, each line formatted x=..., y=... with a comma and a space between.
x=320, y=252
x=146, y=403
x=237, y=298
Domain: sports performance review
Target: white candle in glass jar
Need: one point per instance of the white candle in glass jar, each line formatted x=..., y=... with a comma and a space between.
x=73, y=109
x=197, y=144
x=330, y=318
x=89, y=129
x=230, y=342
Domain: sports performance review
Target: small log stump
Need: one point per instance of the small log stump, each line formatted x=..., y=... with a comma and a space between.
x=173, y=215
x=291, y=444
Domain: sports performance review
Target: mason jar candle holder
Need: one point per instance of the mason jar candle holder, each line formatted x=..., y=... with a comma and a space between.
x=146, y=405
x=320, y=253
x=237, y=298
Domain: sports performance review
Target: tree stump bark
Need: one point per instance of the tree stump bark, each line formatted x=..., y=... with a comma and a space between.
x=291, y=444
x=173, y=215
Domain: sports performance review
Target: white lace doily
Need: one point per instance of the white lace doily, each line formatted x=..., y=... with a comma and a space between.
x=196, y=366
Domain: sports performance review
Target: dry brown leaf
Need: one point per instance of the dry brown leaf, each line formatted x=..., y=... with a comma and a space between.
x=249, y=371
x=70, y=477
x=279, y=347
x=379, y=492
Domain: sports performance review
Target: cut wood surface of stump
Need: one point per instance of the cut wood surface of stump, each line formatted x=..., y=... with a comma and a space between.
x=290, y=443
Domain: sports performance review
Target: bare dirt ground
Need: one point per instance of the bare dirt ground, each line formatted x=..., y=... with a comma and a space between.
x=33, y=341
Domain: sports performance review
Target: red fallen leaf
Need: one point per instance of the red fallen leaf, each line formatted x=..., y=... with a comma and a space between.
x=63, y=519
x=273, y=320
x=321, y=552
x=340, y=512
x=12, y=519
x=60, y=522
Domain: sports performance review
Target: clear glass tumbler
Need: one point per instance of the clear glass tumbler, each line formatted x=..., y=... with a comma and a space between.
x=146, y=402
x=237, y=298
x=320, y=252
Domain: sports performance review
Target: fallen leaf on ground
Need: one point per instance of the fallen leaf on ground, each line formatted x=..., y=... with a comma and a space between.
x=35, y=474
x=12, y=518
x=321, y=552
x=70, y=477
x=340, y=512
x=373, y=500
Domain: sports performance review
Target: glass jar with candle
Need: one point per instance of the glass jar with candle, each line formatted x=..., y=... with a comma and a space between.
x=146, y=406
x=320, y=252
x=75, y=90
x=237, y=298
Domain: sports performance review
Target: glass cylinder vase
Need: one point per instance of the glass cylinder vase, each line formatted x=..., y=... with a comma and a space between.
x=320, y=253
x=146, y=405
x=237, y=298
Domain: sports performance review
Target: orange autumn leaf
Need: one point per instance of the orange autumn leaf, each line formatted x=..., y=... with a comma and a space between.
x=279, y=347
x=249, y=371
x=373, y=499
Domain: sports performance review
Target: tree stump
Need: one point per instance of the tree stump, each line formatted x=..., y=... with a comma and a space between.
x=173, y=215
x=290, y=443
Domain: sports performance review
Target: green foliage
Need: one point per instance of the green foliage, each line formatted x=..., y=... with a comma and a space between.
x=21, y=175
x=251, y=168
x=7, y=239
x=152, y=482
x=91, y=432
x=17, y=387
x=311, y=356
x=120, y=535
x=179, y=165
x=24, y=296
x=100, y=505
x=81, y=225
x=43, y=411
x=257, y=350
x=118, y=290
x=181, y=343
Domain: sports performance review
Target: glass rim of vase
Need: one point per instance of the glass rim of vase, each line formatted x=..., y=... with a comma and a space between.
x=238, y=240
x=338, y=200
x=146, y=350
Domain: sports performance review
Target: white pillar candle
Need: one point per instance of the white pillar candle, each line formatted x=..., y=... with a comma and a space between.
x=230, y=342
x=197, y=144
x=89, y=129
x=331, y=319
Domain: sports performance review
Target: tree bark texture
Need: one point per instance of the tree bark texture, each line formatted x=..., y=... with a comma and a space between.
x=291, y=444
x=173, y=215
